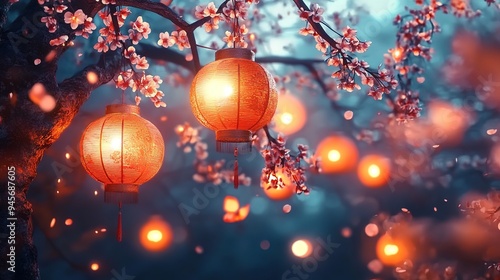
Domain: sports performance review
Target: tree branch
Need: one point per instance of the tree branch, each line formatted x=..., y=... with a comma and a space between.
x=164, y=54
x=159, y=9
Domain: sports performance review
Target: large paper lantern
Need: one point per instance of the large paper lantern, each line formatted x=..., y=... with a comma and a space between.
x=338, y=154
x=290, y=115
x=234, y=96
x=121, y=150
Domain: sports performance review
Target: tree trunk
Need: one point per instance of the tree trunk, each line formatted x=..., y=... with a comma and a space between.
x=25, y=130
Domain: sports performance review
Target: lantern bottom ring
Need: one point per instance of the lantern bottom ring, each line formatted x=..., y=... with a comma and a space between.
x=121, y=193
x=228, y=140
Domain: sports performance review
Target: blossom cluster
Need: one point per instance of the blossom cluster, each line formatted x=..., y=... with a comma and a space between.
x=279, y=159
x=217, y=172
x=340, y=54
x=232, y=14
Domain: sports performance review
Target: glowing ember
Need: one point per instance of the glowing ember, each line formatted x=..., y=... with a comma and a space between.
x=287, y=208
x=95, y=192
x=435, y=209
x=103, y=230
x=156, y=234
x=94, y=266
x=53, y=222
x=491, y=131
x=58, y=180
x=371, y=230
x=37, y=61
x=301, y=248
x=163, y=118
x=348, y=115
x=67, y=155
x=264, y=245
x=68, y=222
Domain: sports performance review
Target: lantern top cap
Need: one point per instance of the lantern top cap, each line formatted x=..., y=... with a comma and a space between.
x=235, y=53
x=123, y=108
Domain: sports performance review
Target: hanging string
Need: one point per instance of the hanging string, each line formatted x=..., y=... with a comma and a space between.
x=119, y=227
x=236, y=179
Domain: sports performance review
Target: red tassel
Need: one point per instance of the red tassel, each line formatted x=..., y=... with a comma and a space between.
x=119, y=229
x=236, y=179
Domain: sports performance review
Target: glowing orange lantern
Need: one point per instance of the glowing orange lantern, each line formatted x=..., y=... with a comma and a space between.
x=392, y=251
x=280, y=193
x=233, y=211
x=374, y=170
x=290, y=115
x=234, y=96
x=338, y=154
x=122, y=151
x=156, y=234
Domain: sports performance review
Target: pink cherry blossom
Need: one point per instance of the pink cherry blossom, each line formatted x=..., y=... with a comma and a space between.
x=76, y=19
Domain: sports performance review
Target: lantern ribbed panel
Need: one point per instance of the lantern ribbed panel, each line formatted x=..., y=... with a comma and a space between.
x=122, y=165
x=233, y=94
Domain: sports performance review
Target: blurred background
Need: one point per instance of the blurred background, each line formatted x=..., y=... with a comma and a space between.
x=394, y=200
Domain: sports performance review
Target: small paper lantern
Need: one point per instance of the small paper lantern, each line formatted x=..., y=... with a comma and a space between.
x=338, y=154
x=290, y=115
x=122, y=151
x=280, y=193
x=374, y=170
x=234, y=96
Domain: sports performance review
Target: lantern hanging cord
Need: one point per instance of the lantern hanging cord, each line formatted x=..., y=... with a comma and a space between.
x=236, y=176
x=119, y=227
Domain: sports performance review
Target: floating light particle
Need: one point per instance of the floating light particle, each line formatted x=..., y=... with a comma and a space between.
x=371, y=230
x=346, y=232
x=231, y=204
x=94, y=266
x=445, y=200
x=421, y=80
x=301, y=248
x=53, y=222
x=96, y=232
x=163, y=118
x=498, y=226
x=491, y=131
x=405, y=210
x=37, y=61
x=95, y=192
x=103, y=230
x=375, y=266
x=155, y=236
x=59, y=180
x=57, y=191
x=67, y=155
x=68, y=222
x=80, y=54
x=435, y=146
x=47, y=103
x=287, y=208
x=189, y=57
x=348, y=115
x=179, y=129
x=435, y=209
x=264, y=244
x=92, y=77
x=198, y=249
x=50, y=56
x=10, y=95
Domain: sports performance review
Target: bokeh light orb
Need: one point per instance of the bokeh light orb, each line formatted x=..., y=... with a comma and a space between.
x=338, y=154
x=374, y=170
x=156, y=234
x=301, y=248
x=290, y=116
x=392, y=251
